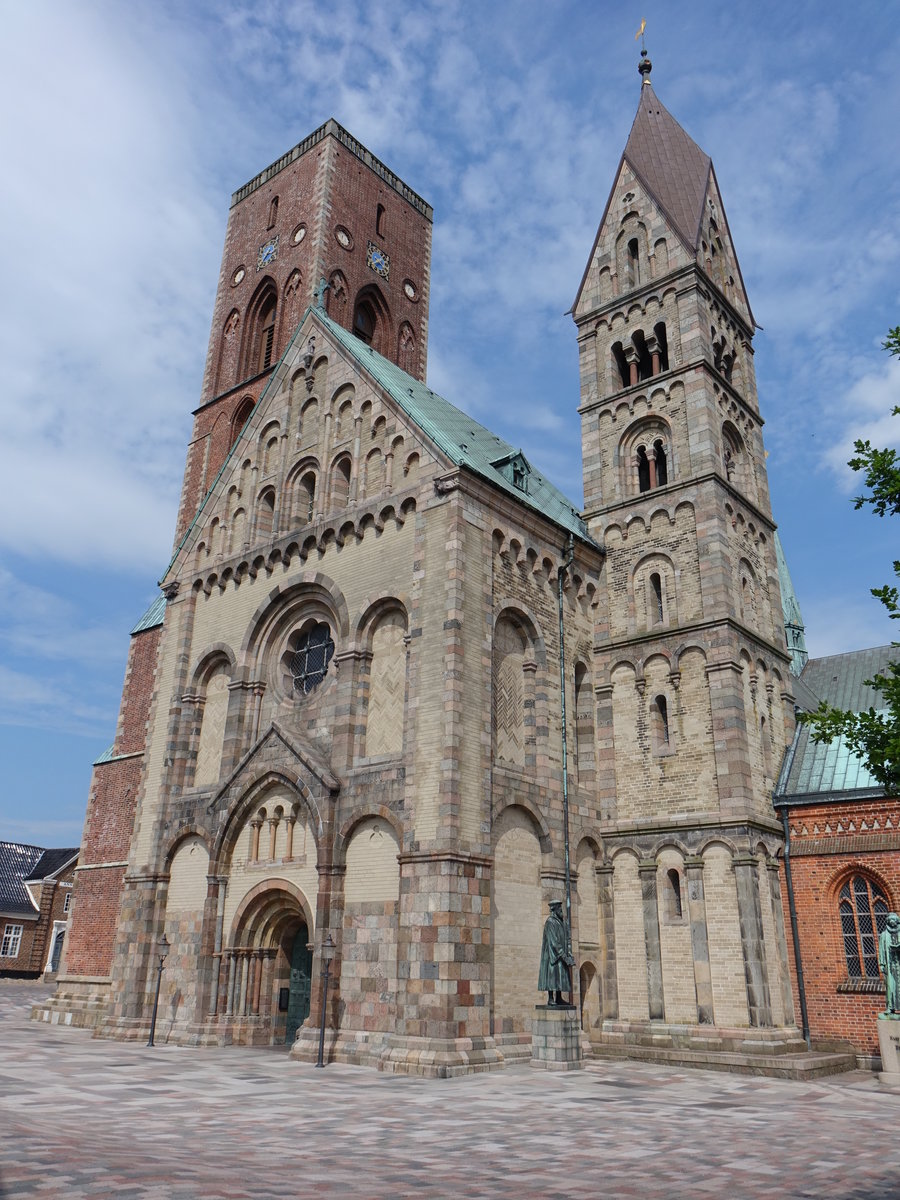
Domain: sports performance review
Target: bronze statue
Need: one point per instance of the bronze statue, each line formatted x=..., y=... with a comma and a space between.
x=554, y=976
x=889, y=961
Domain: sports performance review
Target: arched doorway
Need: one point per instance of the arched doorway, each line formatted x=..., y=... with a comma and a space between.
x=300, y=983
x=264, y=994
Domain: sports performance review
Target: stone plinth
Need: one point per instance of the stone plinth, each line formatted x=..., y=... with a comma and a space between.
x=889, y=1043
x=556, y=1039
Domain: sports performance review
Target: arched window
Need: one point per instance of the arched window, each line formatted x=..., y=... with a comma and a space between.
x=662, y=342
x=656, y=598
x=662, y=469
x=364, y=322
x=508, y=663
x=273, y=213
x=306, y=497
x=660, y=720
x=584, y=724
x=620, y=363
x=645, y=362
x=266, y=344
x=379, y=220
x=864, y=910
x=632, y=267
x=673, y=894
x=340, y=483
x=240, y=418
x=643, y=467
x=265, y=514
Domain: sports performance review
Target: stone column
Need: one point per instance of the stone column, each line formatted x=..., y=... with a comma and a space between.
x=631, y=357
x=265, y=996
x=750, y=913
x=243, y=972
x=653, y=347
x=696, y=911
x=232, y=973
x=647, y=869
x=609, y=982
x=787, y=995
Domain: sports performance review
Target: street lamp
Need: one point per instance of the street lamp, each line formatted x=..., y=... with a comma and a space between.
x=162, y=949
x=328, y=948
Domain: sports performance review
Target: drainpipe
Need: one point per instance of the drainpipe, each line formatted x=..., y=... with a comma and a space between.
x=563, y=568
x=801, y=989
x=789, y=880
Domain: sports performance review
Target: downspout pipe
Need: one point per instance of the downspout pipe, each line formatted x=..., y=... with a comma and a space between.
x=564, y=567
x=789, y=880
x=801, y=988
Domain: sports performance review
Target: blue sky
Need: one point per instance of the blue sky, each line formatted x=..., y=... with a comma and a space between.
x=128, y=127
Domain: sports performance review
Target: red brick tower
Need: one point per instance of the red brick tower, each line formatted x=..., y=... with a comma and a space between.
x=329, y=211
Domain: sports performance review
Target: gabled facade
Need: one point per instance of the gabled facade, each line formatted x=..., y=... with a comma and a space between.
x=346, y=718
x=35, y=904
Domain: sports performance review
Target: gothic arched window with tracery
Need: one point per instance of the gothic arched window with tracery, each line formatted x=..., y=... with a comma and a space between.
x=864, y=911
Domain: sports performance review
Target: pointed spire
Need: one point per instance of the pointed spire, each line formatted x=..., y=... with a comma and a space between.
x=668, y=162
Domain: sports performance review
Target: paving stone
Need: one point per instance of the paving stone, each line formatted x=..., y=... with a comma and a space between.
x=87, y=1118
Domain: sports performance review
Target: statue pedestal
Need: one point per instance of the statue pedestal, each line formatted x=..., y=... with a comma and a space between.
x=889, y=1042
x=556, y=1038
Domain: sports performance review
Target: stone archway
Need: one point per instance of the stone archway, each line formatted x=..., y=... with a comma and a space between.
x=267, y=966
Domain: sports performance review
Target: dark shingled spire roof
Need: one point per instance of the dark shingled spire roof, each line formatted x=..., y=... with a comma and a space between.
x=670, y=165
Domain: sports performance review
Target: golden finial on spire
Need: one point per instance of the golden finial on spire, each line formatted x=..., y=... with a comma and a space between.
x=644, y=65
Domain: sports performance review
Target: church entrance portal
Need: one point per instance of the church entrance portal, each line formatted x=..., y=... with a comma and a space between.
x=301, y=979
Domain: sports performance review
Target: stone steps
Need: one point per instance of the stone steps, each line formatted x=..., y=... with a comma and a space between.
x=811, y=1064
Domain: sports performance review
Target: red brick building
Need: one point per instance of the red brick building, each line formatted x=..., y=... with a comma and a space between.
x=842, y=858
x=35, y=902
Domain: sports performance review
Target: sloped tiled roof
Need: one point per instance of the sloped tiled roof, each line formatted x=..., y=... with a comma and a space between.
x=461, y=438
x=50, y=862
x=829, y=770
x=670, y=165
x=17, y=860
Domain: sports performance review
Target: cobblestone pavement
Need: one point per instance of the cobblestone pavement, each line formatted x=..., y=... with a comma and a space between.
x=86, y=1118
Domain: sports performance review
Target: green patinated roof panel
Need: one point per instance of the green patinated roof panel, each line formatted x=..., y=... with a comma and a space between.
x=462, y=439
x=831, y=769
x=153, y=616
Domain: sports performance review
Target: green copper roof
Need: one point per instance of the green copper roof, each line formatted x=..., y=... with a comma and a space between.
x=153, y=616
x=794, y=629
x=829, y=770
x=462, y=439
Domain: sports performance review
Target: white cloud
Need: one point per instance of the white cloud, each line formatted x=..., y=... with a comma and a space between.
x=869, y=404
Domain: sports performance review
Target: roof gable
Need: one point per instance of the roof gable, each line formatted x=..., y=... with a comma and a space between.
x=457, y=439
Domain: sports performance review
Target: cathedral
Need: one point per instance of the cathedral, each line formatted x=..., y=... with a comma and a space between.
x=398, y=693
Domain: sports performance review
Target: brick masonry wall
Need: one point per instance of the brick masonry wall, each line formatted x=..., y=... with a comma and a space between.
x=109, y=822
x=829, y=844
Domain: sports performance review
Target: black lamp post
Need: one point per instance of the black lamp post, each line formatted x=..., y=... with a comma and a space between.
x=328, y=948
x=162, y=949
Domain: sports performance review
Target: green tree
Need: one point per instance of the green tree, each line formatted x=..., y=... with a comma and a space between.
x=873, y=735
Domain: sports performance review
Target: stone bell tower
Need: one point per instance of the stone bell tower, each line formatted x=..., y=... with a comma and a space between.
x=692, y=674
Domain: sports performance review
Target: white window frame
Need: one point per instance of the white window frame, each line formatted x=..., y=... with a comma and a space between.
x=67, y=903
x=12, y=941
